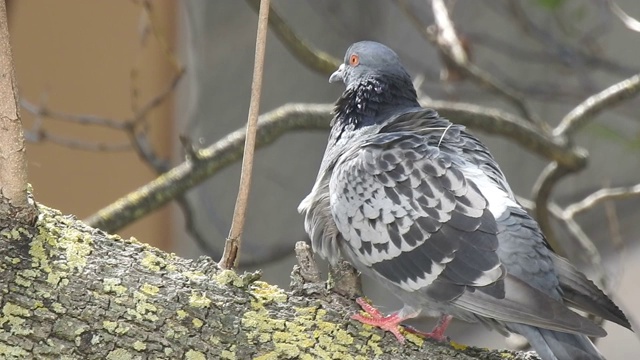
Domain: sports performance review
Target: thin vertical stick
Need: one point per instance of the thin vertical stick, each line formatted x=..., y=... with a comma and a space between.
x=232, y=245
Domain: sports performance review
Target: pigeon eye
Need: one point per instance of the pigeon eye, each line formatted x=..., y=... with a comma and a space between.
x=354, y=60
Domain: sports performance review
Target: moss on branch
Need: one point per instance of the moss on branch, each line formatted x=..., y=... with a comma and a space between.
x=70, y=291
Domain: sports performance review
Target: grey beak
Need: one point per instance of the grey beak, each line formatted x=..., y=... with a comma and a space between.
x=338, y=75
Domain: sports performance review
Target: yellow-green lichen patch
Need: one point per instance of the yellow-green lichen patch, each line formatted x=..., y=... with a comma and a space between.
x=14, y=316
x=194, y=355
x=55, y=251
x=24, y=282
x=149, y=289
x=54, y=278
x=143, y=309
x=306, y=336
x=181, y=314
x=268, y=293
x=119, y=354
x=30, y=273
x=229, y=354
x=458, y=346
x=176, y=331
x=110, y=326
x=199, y=300
x=418, y=340
x=115, y=328
x=40, y=259
x=197, y=323
x=505, y=355
x=153, y=262
x=139, y=346
x=374, y=344
x=57, y=308
x=196, y=276
x=287, y=351
x=13, y=352
x=228, y=277
x=77, y=247
x=113, y=286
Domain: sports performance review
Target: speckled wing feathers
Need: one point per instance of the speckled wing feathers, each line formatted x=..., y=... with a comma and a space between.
x=409, y=213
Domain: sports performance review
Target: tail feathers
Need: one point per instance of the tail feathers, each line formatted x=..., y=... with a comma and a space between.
x=583, y=294
x=554, y=345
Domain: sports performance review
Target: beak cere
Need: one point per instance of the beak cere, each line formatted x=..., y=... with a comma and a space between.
x=338, y=75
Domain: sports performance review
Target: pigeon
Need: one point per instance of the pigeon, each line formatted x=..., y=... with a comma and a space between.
x=420, y=205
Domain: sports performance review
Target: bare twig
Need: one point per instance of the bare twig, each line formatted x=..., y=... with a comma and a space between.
x=314, y=59
x=628, y=21
x=41, y=135
x=232, y=245
x=589, y=108
x=447, y=38
x=81, y=119
x=614, y=225
x=495, y=121
x=477, y=74
x=541, y=193
x=600, y=196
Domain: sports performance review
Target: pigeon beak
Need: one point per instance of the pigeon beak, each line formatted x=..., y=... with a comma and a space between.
x=338, y=75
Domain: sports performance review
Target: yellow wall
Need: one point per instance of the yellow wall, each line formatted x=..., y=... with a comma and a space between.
x=77, y=55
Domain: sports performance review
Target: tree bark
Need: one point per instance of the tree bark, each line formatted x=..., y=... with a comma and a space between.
x=13, y=162
x=68, y=291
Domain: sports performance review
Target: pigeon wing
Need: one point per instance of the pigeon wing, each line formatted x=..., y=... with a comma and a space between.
x=409, y=214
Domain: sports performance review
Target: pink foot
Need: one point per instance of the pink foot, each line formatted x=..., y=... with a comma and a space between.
x=437, y=333
x=375, y=318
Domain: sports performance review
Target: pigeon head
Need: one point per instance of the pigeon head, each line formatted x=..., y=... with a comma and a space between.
x=366, y=60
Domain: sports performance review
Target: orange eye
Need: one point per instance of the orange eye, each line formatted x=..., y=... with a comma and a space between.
x=354, y=60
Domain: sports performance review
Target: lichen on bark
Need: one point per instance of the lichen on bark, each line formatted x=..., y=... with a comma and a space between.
x=68, y=291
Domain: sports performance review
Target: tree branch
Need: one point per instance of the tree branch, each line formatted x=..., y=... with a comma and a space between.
x=601, y=196
x=314, y=59
x=13, y=161
x=448, y=45
x=70, y=291
x=231, y=253
x=294, y=117
x=541, y=194
x=499, y=122
x=588, y=109
x=183, y=177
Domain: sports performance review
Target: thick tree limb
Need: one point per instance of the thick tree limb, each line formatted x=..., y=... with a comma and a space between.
x=70, y=291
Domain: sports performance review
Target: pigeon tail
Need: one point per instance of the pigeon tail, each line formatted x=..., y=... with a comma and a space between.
x=555, y=345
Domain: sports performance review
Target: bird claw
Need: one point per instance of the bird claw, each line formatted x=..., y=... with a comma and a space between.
x=434, y=335
x=390, y=323
x=437, y=333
